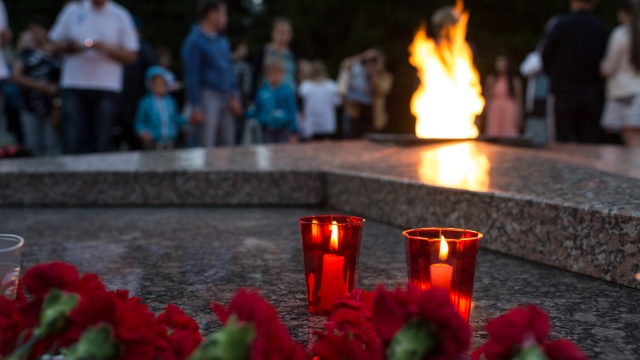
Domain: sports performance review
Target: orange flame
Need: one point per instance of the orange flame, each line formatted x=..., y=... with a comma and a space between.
x=444, y=249
x=334, y=236
x=450, y=95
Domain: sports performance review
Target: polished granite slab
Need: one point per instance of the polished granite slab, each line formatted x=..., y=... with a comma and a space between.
x=190, y=256
x=555, y=206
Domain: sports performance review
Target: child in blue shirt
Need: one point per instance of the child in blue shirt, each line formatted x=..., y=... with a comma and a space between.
x=275, y=106
x=158, y=119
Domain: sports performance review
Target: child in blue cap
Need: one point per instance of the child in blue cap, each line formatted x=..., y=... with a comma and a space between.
x=158, y=119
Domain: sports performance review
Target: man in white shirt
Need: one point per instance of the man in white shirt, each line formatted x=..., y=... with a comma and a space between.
x=98, y=38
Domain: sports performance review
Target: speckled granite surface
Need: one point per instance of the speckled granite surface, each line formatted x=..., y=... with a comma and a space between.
x=553, y=206
x=190, y=256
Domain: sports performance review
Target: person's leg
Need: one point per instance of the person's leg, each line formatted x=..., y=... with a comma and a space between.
x=50, y=137
x=227, y=127
x=74, y=121
x=31, y=130
x=357, y=128
x=104, y=117
x=588, y=121
x=239, y=129
x=346, y=125
x=282, y=135
x=564, y=110
x=212, y=108
x=631, y=137
x=366, y=119
x=267, y=136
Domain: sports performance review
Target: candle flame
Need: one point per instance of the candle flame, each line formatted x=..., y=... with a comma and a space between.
x=444, y=249
x=334, y=236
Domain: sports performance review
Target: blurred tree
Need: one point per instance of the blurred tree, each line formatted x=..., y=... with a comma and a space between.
x=333, y=29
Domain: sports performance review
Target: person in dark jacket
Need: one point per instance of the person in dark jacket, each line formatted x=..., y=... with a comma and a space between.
x=571, y=57
x=210, y=82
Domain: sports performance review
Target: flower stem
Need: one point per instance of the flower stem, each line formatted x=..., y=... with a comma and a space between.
x=24, y=350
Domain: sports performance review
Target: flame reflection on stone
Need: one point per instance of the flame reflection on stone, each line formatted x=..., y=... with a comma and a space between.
x=460, y=166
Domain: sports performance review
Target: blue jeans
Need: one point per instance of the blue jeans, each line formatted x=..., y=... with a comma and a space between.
x=275, y=136
x=87, y=120
x=39, y=134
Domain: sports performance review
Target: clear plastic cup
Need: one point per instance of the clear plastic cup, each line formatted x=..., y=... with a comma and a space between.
x=9, y=265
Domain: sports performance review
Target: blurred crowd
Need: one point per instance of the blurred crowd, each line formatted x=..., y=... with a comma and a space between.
x=90, y=82
x=564, y=99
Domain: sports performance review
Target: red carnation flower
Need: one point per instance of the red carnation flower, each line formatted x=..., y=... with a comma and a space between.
x=342, y=347
x=132, y=323
x=40, y=279
x=358, y=300
x=519, y=329
x=356, y=326
x=12, y=325
x=563, y=350
x=393, y=309
x=183, y=332
x=272, y=341
x=349, y=336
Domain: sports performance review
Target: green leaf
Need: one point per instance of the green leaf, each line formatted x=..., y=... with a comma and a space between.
x=412, y=342
x=55, y=311
x=233, y=342
x=533, y=352
x=96, y=343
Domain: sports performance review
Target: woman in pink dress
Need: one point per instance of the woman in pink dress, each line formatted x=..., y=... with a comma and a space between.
x=503, y=93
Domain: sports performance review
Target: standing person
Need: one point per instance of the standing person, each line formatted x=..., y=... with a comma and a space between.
x=503, y=92
x=621, y=67
x=5, y=39
x=365, y=84
x=243, y=69
x=537, y=122
x=275, y=106
x=98, y=38
x=279, y=48
x=572, y=58
x=134, y=88
x=320, y=98
x=244, y=73
x=37, y=72
x=158, y=118
x=381, y=85
x=354, y=85
x=211, y=83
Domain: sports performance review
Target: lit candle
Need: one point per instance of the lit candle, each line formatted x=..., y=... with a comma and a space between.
x=441, y=274
x=332, y=281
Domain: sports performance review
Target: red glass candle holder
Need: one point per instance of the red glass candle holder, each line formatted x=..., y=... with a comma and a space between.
x=444, y=258
x=331, y=248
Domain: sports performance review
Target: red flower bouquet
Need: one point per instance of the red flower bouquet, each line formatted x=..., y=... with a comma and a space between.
x=66, y=313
